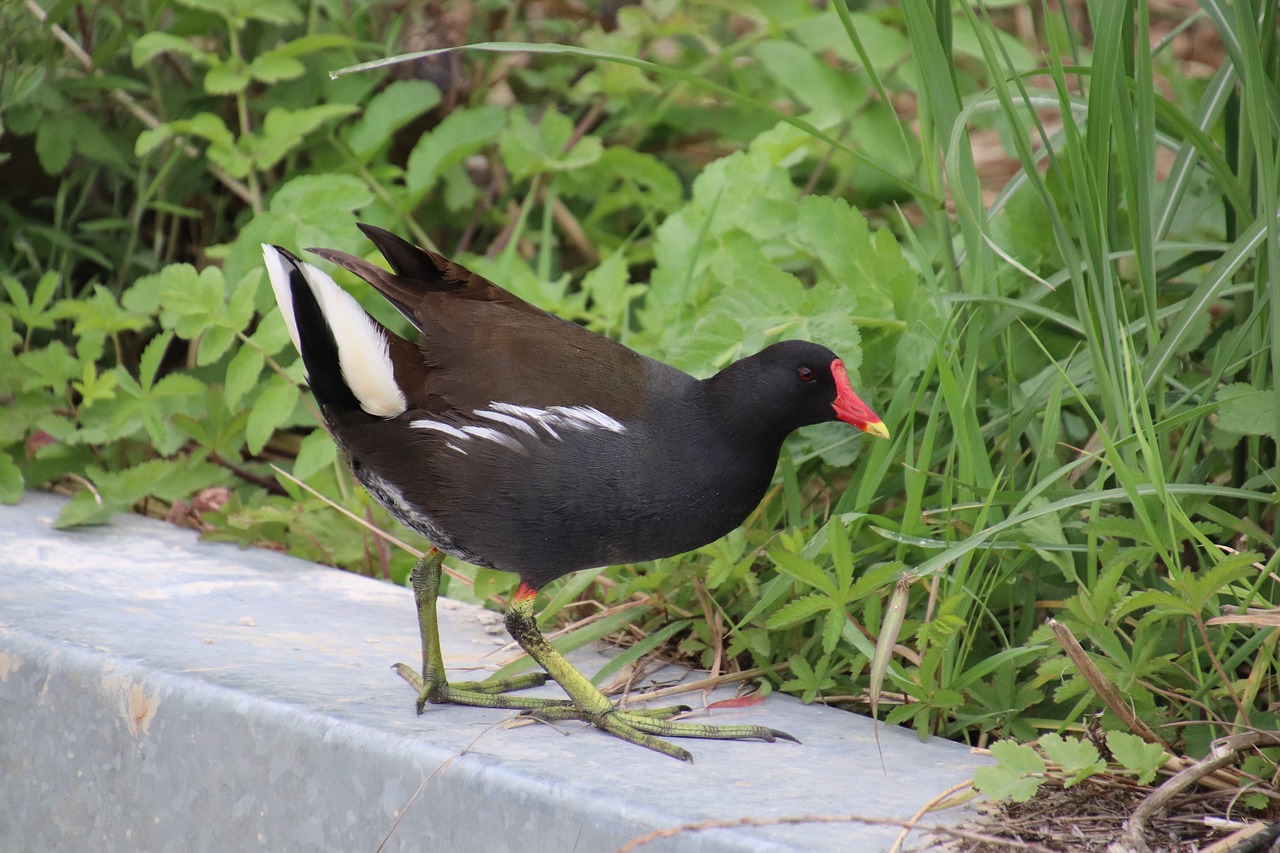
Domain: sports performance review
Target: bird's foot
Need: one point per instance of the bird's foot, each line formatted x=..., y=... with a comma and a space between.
x=647, y=728
x=489, y=693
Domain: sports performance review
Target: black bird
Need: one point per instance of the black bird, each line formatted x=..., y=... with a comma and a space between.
x=513, y=439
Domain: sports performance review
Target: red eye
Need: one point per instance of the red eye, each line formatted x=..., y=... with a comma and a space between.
x=805, y=374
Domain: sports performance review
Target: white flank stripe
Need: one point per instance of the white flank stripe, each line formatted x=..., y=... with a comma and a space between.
x=565, y=417
x=588, y=416
x=505, y=419
x=529, y=414
x=437, y=426
x=363, y=350
x=278, y=271
x=493, y=435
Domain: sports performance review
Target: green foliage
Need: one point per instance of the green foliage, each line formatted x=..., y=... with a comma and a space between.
x=1076, y=361
x=1020, y=770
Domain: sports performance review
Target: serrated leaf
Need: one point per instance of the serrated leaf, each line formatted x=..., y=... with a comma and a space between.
x=607, y=286
x=1136, y=755
x=463, y=133
x=239, y=313
x=84, y=509
x=841, y=556
x=154, y=353
x=831, y=628
x=1000, y=783
x=769, y=305
x=322, y=193
x=242, y=373
x=214, y=344
x=388, y=111
x=1078, y=758
x=270, y=410
x=528, y=149
x=283, y=130
x=1245, y=410
x=798, y=610
x=227, y=78
x=178, y=385
x=803, y=570
x=315, y=453
x=1048, y=528
x=1016, y=757
x=51, y=367
x=150, y=45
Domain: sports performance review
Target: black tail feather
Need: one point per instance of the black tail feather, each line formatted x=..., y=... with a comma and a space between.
x=407, y=259
x=319, y=347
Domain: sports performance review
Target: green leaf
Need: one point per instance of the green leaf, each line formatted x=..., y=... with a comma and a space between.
x=528, y=149
x=11, y=482
x=1136, y=755
x=149, y=364
x=283, y=130
x=1016, y=757
x=84, y=508
x=316, y=452
x=239, y=11
x=227, y=77
x=1017, y=776
x=242, y=373
x=1245, y=410
x=388, y=111
x=768, y=304
x=798, y=610
x=273, y=406
x=463, y=133
x=166, y=479
x=274, y=66
x=53, y=145
x=811, y=80
x=150, y=45
x=831, y=629
x=51, y=367
x=99, y=313
x=803, y=570
x=1078, y=758
x=1000, y=783
x=192, y=303
x=214, y=344
x=151, y=139
x=320, y=192
x=31, y=311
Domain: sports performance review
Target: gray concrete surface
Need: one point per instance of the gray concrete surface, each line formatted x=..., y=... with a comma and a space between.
x=158, y=693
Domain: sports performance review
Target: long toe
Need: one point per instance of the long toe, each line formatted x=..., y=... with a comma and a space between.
x=660, y=713
x=666, y=728
x=506, y=685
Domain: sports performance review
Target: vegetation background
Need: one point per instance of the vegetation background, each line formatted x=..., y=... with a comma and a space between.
x=1042, y=234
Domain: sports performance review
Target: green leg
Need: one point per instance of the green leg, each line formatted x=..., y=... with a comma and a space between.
x=645, y=728
x=433, y=685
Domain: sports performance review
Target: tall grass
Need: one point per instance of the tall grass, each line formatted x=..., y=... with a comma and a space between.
x=1087, y=370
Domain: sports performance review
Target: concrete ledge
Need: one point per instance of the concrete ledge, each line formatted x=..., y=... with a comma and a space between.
x=162, y=694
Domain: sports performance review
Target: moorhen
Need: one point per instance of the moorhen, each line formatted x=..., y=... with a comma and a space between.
x=513, y=439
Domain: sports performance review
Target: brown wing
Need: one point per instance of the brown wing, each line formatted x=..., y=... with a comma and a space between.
x=481, y=344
